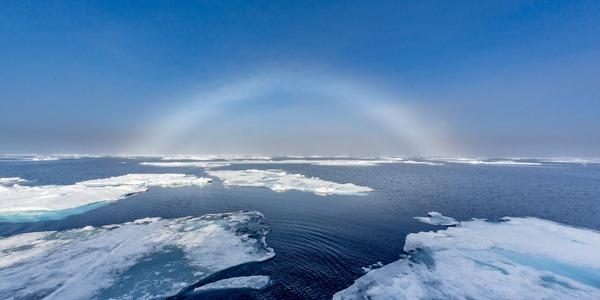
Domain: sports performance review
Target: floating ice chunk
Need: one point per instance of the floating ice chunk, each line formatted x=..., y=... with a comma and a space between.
x=339, y=162
x=199, y=164
x=520, y=258
x=256, y=282
x=216, y=161
x=7, y=181
x=501, y=162
x=34, y=157
x=19, y=202
x=280, y=181
x=19, y=158
x=372, y=266
x=215, y=157
x=583, y=161
x=144, y=259
x=435, y=218
x=420, y=162
x=345, y=162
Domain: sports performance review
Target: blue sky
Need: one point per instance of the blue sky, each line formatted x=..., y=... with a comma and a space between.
x=485, y=78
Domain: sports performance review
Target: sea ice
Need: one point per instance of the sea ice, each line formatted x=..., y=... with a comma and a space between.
x=371, y=267
x=583, y=161
x=280, y=181
x=143, y=259
x=35, y=158
x=7, y=181
x=207, y=162
x=18, y=201
x=476, y=161
x=215, y=157
x=256, y=282
x=519, y=258
x=198, y=164
x=435, y=218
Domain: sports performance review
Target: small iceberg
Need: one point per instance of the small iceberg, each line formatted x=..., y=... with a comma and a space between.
x=280, y=181
x=518, y=258
x=144, y=259
x=435, y=218
x=30, y=203
x=256, y=282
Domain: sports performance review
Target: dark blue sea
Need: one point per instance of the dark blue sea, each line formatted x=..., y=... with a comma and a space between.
x=321, y=242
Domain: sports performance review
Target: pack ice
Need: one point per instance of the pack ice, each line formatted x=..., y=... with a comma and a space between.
x=280, y=181
x=143, y=259
x=20, y=202
x=518, y=258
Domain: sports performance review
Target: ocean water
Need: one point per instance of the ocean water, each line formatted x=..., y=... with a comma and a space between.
x=321, y=243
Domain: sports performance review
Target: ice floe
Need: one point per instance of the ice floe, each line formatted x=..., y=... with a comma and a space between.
x=435, y=218
x=215, y=157
x=519, y=258
x=6, y=181
x=18, y=158
x=583, y=161
x=280, y=181
x=198, y=164
x=371, y=267
x=497, y=162
x=36, y=158
x=366, y=163
x=143, y=259
x=19, y=202
x=208, y=163
x=256, y=282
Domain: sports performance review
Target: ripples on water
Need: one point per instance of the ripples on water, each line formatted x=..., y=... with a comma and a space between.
x=321, y=243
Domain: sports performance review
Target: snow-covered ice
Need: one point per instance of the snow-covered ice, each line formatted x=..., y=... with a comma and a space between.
x=256, y=282
x=478, y=161
x=371, y=267
x=215, y=157
x=198, y=164
x=19, y=201
x=143, y=259
x=583, y=161
x=7, y=181
x=207, y=162
x=519, y=258
x=35, y=157
x=435, y=218
x=280, y=181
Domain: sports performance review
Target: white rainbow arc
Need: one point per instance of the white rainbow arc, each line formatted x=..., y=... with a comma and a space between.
x=378, y=106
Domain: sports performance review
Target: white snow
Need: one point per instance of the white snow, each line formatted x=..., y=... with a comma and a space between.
x=198, y=164
x=478, y=161
x=210, y=163
x=520, y=258
x=371, y=267
x=215, y=157
x=6, y=181
x=256, y=282
x=420, y=162
x=435, y=218
x=47, y=198
x=280, y=181
x=582, y=161
x=144, y=259
x=36, y=157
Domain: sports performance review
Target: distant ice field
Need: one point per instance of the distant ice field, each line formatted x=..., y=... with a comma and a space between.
x=321, y=243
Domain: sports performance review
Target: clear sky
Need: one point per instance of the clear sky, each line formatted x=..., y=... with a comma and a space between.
x=483, y=78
